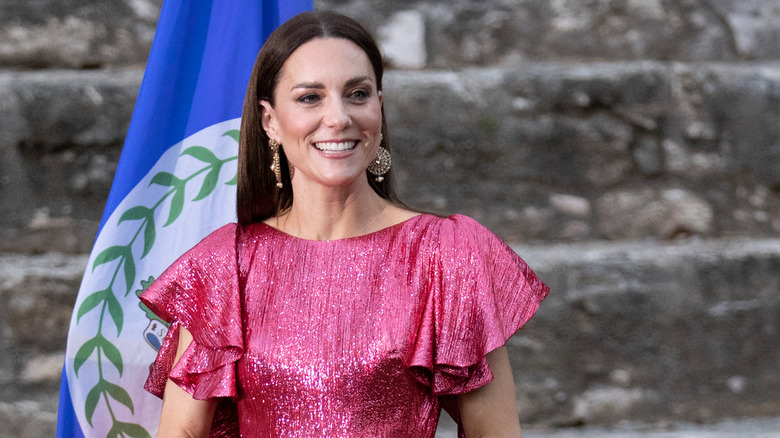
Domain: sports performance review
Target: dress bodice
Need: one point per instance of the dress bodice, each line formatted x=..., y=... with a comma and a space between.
x=366, y=336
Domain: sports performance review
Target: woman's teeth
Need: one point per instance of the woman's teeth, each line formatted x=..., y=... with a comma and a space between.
x=335, y=146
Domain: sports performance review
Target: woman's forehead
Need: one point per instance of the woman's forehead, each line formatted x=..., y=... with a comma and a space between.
x=326, y=58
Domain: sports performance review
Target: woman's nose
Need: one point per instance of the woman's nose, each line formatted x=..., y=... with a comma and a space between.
x=336, y=115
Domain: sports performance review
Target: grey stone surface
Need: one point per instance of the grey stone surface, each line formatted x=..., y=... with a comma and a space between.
x=753, y=428
x=89, y=33
x=647, y=149
x=633, y=214
x=547, y=121
x=60, y=138
x=402, y=40
x=76, y=33
x=470, y=32
x=636, y=331
x=28, y=419
x=687, y=330
x=37, y=294
x=495, y=143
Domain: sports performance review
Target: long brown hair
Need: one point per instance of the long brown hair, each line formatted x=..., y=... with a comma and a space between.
x=258, y=198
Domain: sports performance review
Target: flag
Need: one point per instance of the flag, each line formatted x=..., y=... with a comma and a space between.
x=175, y=183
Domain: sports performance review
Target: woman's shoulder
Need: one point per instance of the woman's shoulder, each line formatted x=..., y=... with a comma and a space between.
x=223, y=232
x=452, y=237
x=217, y=241
x=230, y=234
x=455, y=226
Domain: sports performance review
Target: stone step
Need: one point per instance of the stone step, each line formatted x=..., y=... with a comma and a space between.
x=37, y=293
x=753, y=428
x=541, y=152
x=76, y=34
x=426, y=34
x=434, y=34
x=636, y=331
x=644, y=330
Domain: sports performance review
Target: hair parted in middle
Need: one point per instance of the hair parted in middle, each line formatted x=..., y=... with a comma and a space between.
x=258, y=197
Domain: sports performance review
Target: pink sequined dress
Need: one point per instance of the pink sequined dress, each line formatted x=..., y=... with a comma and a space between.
x=367, y=336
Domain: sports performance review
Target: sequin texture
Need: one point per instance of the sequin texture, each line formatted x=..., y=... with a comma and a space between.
x=365, y=336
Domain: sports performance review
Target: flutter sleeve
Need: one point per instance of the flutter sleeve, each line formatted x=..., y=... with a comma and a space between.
x=200, y=292
x=481, y=293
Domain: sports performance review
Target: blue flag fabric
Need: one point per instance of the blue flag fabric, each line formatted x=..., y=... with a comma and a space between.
x=174, y=184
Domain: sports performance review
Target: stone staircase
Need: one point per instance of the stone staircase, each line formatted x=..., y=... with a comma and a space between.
x=628, y=150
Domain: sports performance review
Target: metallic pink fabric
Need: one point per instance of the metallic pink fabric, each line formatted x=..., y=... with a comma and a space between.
x=365, y=336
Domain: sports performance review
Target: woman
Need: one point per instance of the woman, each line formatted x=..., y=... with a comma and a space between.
x=331, y=309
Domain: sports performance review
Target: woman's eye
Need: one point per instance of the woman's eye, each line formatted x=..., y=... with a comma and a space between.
x=309, y=98
x=360, y=94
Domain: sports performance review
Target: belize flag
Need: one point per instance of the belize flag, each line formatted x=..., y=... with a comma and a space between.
x=175, y=183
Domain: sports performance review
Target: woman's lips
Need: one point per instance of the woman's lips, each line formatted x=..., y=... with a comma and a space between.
x=334, y=147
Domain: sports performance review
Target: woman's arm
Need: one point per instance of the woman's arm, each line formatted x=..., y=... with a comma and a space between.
x=491, y=411
x=183, y=416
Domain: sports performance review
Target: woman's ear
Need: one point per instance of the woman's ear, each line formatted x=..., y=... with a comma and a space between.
x=268, y=119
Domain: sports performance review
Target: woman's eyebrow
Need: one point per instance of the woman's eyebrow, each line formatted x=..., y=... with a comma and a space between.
x=315, y=85
x=358, y=80
x=320, y=86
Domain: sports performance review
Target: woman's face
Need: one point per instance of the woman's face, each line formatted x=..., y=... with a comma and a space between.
x=327, y=112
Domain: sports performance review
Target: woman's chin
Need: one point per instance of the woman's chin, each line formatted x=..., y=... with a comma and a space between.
x=336, y=180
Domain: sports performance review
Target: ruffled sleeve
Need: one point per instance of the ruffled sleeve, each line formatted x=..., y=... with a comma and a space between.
x=480, y=293
x=200, y=291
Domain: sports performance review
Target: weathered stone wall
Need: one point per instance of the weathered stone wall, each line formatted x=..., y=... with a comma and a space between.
x=642, y=330
x=543, y=152
x=61, y=134
x=600, y=150
x=593, y=147
x=36, y=301
x=464, y=32
x=76, y=34
x=562, y=121
x=453, y=33
x=637, y=331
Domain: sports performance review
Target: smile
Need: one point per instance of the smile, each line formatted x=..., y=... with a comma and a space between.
x=335, y=146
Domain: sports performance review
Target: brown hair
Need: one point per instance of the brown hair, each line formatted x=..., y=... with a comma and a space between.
x=258, y=198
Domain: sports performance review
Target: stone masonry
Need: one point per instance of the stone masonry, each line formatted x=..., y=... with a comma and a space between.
x=628, y=149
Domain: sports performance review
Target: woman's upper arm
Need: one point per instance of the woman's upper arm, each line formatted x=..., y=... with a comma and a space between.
x=491, y=411
x=182, y=416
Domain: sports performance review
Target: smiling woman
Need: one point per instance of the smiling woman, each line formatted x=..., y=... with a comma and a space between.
x=327, y=114
x=331, y=309
x=258, y=198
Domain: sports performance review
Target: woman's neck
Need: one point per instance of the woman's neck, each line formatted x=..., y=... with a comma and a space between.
x=331, y=213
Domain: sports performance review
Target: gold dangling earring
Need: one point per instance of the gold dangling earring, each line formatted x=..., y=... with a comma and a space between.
x=276, y=167
x=381, y=164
